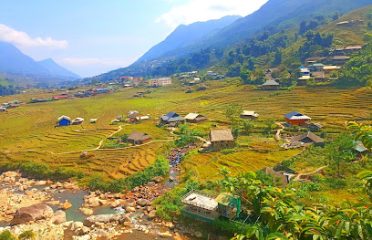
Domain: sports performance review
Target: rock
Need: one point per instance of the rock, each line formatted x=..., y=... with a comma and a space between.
x=32, y=213
x=93, y=202
x=169, y=225
x=40, y=183
x=130, y=209
x=158, y=179
x=86, y=211
x=59, y=217
x=198, y=234
x=76, y=225
x=130, y=203
x=103, y=218
x=165, y=234
x=152, y=214
x=66, y=205
x=11, y=174
x=143, y=202
x=115, y=204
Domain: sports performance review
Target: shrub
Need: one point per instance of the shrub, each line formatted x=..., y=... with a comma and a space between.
x=7, y=235
x=27, y=235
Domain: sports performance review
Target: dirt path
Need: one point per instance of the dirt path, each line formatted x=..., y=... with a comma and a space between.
x=297, y=178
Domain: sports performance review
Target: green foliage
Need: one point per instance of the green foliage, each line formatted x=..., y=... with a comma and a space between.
x=358, y=70
x=315, y=43
x=7, y=235
x=269, y=127
x=233, y=112
x=186, y=136
x=27, y=235
x=159, y=168
x=366, y=176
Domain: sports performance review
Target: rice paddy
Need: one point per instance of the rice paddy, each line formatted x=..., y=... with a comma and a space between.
x=28, y=132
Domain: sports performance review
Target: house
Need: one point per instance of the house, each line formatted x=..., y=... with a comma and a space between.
x=318, y=76
x=93, y=120
x=205, y=208
x=306, y=139
x=316, y=67
x=304, y=71
x=339, y=60
x=296, y=118
x=63, y=121
x=280, y=177
x=133, y=116
x=302, y=81
x=172, y=119
x=195, y=117
x=328, y=69
x=359, y=147
x=352, y=49
x=101, y=90
x=77, y=121
x=201, y=206
x=160, y=82
x=221, y=138
x=270, y=85
x=2, y=109
x=138, y=138
x=314, y=127
x=61, y=96
x=249, y=115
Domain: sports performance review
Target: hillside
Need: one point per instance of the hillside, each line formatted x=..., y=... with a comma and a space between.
x=186, y=35
x=23, y=69
x=273, y=17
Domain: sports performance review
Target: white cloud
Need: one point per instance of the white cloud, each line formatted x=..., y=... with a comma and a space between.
x=203, y=10
x=22, y=39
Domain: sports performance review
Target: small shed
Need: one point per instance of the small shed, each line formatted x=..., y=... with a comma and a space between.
x=270, y=85
x=77, y=121
x=307, y=139
x=138, y=138
x=93, y=120
x=222, y=138
x=63, y=121
x=249, y=115
x=200, y=206
x=195, y=117
x=296, y=118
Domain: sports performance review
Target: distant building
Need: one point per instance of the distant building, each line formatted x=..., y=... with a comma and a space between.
x=296, y=118
x=318, y=76
x=138, y=138
x=221, y=138
x=339, y=60
x=171, y=119
x=160, y=82
x=63, y=121
x=316, y=67
x=77, y=121
x=61, y=96
x=249, y=115
x=195, y=117
x=270, y=85
x=306, y=139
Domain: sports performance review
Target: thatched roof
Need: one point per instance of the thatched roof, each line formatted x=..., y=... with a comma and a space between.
x=309, y=135
x=138, y=136
x=221, y=135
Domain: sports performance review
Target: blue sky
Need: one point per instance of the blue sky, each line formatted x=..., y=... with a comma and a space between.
x=90, y=37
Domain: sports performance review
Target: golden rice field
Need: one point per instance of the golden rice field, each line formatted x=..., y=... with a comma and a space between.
x=28, y=132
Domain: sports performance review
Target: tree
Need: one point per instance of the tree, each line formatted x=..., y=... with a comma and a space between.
x=247, y=126
x=340, y=152
x=233, y=112
x=269, y=127
x=277, y=58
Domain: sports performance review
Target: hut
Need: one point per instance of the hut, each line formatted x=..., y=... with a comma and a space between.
x=77, y=121
x=63, y=121
x=249, y=115
x=93, y=120
x=171, y=119
x=306, y=139
x=359, y=148
x=270, y=85
x=296, y=118
x=195, y=118
x=200, y=206
x=222, y=138
x=138, y=138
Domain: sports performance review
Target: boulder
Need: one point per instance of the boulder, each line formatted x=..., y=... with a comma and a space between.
x=59, y=217
x=76, y=225
x=130, y=209
x=143, y=202
x=11, y=174
x=103, y=218
x=32, y=213
x=86, y=211
x=152, y=214
x=66, y=205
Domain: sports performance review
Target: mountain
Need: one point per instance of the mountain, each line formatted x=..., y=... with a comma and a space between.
x=186, y=35
x=23, y=69
x=274, y=16
x=56, y=70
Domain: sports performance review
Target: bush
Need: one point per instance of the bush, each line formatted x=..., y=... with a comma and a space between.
x=336, y=183
x=7, y=235
x=27, y=235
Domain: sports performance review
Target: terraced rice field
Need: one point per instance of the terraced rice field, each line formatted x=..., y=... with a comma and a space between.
x=28, y=132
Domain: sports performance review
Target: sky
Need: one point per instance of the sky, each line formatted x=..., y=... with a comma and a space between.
x=90, y=37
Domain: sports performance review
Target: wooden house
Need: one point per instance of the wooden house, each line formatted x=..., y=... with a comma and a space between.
x=171, y=119
x=306, y=139
x=63, y=121
x=195, y=118
x=296, y=118
x=222, y=138
x=270, y=85
x=138, y=138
